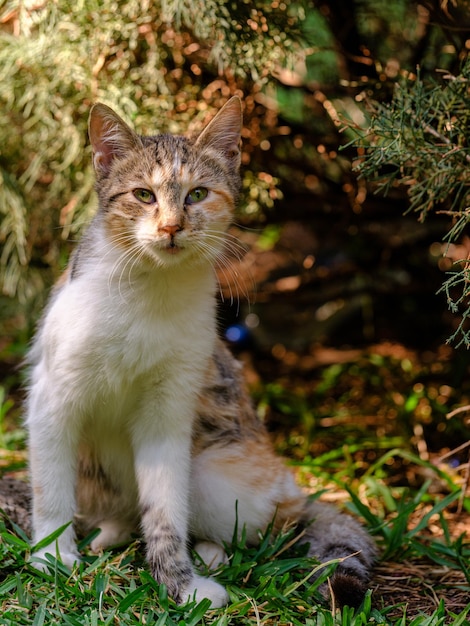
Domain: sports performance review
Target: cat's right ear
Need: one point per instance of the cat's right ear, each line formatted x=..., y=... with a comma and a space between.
x=224, y=131
x=110, y=137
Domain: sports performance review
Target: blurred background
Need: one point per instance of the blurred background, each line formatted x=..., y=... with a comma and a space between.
x=350, y=272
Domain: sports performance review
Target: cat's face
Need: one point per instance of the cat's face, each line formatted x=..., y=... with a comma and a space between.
x=167, y=199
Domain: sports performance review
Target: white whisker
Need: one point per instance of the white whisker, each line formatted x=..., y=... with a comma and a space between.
x=213, y=254
x=229, y=240
x=247, y=229
x=232, y=245
x=127, y=259
x=214, y=245
x=135, y=254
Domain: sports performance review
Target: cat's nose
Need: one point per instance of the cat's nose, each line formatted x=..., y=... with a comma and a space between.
x=171, y=229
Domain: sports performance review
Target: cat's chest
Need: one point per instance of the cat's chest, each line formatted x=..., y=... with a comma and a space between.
x=115, y=334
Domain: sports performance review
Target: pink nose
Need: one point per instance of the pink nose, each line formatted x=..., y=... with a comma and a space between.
x=171, y=229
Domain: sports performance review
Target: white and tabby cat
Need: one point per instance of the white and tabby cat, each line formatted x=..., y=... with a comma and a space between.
x=137, y=413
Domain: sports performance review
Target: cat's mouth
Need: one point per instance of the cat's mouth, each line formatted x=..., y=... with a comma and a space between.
x=162, y=250
x=172, y=247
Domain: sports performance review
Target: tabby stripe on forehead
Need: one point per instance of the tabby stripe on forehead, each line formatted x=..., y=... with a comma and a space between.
x=177, y=163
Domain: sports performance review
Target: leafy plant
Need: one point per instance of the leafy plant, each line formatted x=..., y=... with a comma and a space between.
x=420, y=142
x=135, y=60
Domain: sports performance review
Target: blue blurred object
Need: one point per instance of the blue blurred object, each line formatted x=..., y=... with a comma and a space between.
x=237, y=335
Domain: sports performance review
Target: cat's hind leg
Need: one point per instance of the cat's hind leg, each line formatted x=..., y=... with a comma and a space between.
x=112, y=533
x=248, y=485
x=210, y=554
x=106, y=496
x=201, y=587
x=241, y=485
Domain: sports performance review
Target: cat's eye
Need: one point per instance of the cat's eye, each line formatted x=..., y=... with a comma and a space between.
x=196, y=195
x=144, y=195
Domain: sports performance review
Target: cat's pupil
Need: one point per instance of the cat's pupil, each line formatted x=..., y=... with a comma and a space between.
x=144, y=195
x=196, y=195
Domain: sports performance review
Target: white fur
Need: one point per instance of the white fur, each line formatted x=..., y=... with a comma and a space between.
x=210, y=554
x=200, y=588
x=222, y=496
x=112, y=533
x=118, y=363
x=120, y=357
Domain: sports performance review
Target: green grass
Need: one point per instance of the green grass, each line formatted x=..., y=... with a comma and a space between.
x=265, y=586
x=410, y=504
x=269, y=584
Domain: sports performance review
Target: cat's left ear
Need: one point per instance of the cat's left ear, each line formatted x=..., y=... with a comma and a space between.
x=110, y=137
x=223, y=133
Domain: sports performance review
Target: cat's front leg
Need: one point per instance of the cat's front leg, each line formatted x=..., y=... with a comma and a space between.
x=162, y=469
x=52, y=468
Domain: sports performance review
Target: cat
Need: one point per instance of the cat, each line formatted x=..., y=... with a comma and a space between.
x=136, y=411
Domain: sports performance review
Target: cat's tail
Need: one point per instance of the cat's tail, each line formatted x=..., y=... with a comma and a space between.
x=334, y=535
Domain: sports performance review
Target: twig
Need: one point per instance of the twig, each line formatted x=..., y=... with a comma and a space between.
x=292, y=542
x=461, y=409
x=454, y=451
x=332, y=596
x=432, y=131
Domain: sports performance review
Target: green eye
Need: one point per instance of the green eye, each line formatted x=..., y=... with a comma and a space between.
x=196, y=195
x=144, y=195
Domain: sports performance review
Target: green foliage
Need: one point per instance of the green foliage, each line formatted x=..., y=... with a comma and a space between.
x=373, y=404
x=56, y=59
x=8, y=439
x=253, y=41
x=166, y=65
x=268, y=584
x=401, y=537
x=261, y=581
x=420, y=141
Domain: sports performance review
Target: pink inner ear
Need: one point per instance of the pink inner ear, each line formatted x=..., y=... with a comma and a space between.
x=101, y=161
x=100, y=136
x=103, y=156
x=110, y=137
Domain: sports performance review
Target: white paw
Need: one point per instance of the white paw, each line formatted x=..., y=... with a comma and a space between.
x=210, y=554
x=112, y=533
x=68, y=558
x=200, y=588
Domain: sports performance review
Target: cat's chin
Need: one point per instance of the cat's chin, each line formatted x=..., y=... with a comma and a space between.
x=168, y=255
x=174, y=256
x=173, y=250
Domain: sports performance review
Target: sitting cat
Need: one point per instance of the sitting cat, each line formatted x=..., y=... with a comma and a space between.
x=137, y=413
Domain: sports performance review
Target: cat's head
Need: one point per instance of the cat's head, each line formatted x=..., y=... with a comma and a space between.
x=167, y=198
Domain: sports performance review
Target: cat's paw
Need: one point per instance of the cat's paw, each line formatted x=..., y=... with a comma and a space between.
x=210, y=554
x=42, y=563
x=112, y=534
x=200, y=588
